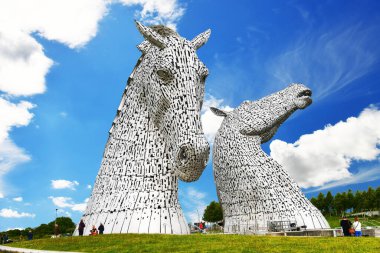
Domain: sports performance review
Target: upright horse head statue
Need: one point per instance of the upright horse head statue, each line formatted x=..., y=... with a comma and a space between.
x=156, y=138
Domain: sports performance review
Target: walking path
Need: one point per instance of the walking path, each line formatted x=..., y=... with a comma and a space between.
x=22, y=250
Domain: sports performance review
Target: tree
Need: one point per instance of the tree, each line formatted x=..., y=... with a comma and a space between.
x=213, y=212
x=350, y=200
x=66, y=225
x=377, y=194
x=329, y=203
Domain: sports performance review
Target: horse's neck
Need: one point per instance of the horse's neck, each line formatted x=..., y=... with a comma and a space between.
x=145, y=149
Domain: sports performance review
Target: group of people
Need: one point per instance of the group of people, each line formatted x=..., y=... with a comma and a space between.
x=4, y=238
x=351, y=229
x=93, y=231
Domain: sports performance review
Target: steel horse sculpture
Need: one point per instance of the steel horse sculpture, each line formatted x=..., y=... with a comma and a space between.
x=156, y=138
x=254, y=190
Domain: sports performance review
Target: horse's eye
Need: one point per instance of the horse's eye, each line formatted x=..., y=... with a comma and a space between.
x=164, y=75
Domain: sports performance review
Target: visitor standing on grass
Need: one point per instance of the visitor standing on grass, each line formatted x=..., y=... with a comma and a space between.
x=57, y=231
x=101, y=228
x=30, y=235
x=81, y=227
x=345, y=224
x=358, y=227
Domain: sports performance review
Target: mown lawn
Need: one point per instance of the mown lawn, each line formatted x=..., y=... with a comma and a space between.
x=203, y=243
x=334, y=221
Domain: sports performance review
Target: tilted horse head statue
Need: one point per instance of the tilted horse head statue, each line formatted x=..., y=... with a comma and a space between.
x=174, y=85
x=253, y=189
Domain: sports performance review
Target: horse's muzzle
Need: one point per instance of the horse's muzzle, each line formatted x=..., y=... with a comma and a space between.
x=191, y=160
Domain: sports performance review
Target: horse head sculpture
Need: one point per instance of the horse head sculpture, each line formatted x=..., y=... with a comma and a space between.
x=174, y=92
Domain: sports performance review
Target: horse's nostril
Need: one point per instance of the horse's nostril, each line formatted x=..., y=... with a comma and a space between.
x=182, y=155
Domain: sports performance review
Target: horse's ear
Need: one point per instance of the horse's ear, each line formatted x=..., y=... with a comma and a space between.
x=201, y=39
x=151, y=36
x=218, y=112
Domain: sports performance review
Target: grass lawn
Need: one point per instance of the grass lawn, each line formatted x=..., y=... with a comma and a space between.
x=366, y=222
x=203, y=243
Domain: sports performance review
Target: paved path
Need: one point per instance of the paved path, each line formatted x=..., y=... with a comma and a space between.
x=22, y=250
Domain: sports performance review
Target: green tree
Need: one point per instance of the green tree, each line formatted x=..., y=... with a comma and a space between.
x=213, y=212
x=350, y=200
x=66, y=225
x=320, y=203
x=329, y=203
x=339, y=204
x=377, y=194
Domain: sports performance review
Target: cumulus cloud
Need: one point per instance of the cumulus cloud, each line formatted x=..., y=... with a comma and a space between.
x=211, y=122
x=89, y=186
x=9, y=213
x=18, y=199
x=328, y=61
x=325, y=155
x=64, y=184
x=67, y=202
x=193, y=202
x=166, y=12
x=13, y=115
x=10, y=156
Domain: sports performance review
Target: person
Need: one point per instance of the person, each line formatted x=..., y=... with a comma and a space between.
x=81, y=227
x=5, y=238
x=101, y=228
x=358, y=227
x=30, y=235
x=345, y=224
x=57, y=232
x=93, y=231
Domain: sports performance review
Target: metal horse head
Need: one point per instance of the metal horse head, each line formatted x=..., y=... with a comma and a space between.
x=174, y=81
x=263, y=117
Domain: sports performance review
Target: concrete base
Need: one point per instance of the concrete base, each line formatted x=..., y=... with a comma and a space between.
x=373, y=232
x=314, y=232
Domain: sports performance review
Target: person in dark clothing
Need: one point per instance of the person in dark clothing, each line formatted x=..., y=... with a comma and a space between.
x=30, y=235
x=101, y=228
x=81, y=227
x=345, y=224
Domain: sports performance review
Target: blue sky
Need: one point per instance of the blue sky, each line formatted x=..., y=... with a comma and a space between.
x=64, y=66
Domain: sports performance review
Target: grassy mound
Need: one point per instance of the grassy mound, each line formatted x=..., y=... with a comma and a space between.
x=203, y=243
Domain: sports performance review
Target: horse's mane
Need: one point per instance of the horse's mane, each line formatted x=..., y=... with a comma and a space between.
x=164, y=31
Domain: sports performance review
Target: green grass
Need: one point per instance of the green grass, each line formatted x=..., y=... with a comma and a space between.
x=369, y=221
x=203, y=243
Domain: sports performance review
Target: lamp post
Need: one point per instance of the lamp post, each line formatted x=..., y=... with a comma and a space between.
x=55, y=222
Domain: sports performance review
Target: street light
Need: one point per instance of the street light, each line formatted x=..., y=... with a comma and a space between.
x=55, y=222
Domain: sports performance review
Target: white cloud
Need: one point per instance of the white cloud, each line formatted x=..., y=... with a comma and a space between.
x=10, y=156
x=325, y=155
x=328, y=61
x=89, y=186
x=166, y=12
x=64, y=213
x=67, y=202
x=211, y=122
x=63, y=114
x=13, y=115
x=21, y=53
x=9, y=213
x=64, y=184
x=18, y=199
x=193, y=202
